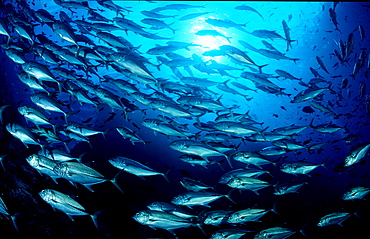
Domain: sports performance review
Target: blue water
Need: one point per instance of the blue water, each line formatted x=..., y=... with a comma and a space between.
x=315, y=35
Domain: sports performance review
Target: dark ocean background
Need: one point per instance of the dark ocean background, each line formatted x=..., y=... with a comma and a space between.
x=315, y=35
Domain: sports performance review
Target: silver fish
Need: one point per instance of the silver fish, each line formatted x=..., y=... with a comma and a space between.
x=356, y=155
x=23, y=134
x=134, y=167
x=190, y=199
x=274, y=233
x=66, y=204
x=356, y=193
x=163, y=220
x=80, y=173
x=333, y=218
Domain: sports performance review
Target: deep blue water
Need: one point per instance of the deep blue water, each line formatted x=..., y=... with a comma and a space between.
x=315, y=35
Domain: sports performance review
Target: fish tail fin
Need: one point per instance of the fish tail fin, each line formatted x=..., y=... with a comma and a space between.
x=165, y=175
x=262, y=132
x=94, y=218
x=105, y=133
x=302, y=230
x=201, y=228
x=228, y=160
x=229, y=196
x=88, y=141
x=289, y=44
x=80, y=157
x=66, y=145
x=13, y=218
x=219, y=163
x=260, y=67
x=324, y=162
x=114, y=181
x=1, y=161
x=274, y=208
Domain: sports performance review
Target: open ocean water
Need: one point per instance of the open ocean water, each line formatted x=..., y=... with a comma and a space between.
x=288, y=75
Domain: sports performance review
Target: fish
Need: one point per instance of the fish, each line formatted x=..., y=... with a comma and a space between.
x=23, y=134
x=134, y=167
x=356, y=193
x=43, y=165
x=45, y=102
x=194, y=185
x=164, y=128
x=228, y=233
x=290, y=130
x=64, y=31
x=241, y=172
x=24, y=31
x=247, y=183
x=196, y=148
x=300, y=167
x=248, y=8
x=287, y=75
x=176, y=6
x=356, y=155
x=255, y=78
x=129, y=134
x=80, y=173
x=213, y=33
x=34, y=115
x=15, y=55
x=191, y=199
x=214, y=218
x=276, y=55
x=308, y=94
x=272, y=151
x=333, y=18
x=66, y=204
x=287, y=35
x=326, y=128
x=239, y=56
x=249, y=157
x=40, y=72
x=84, y=131
x=163, y=220
x=267, y=34
x=321, y=107
x=193, y=15
x=333, y=218
x=157, y=24
x=225, y=23
x=156, y=15
x=246, y=215
x=286, y=188
x=197, y=160
x=274, y=232
x=321, y=63
x=171, y=209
